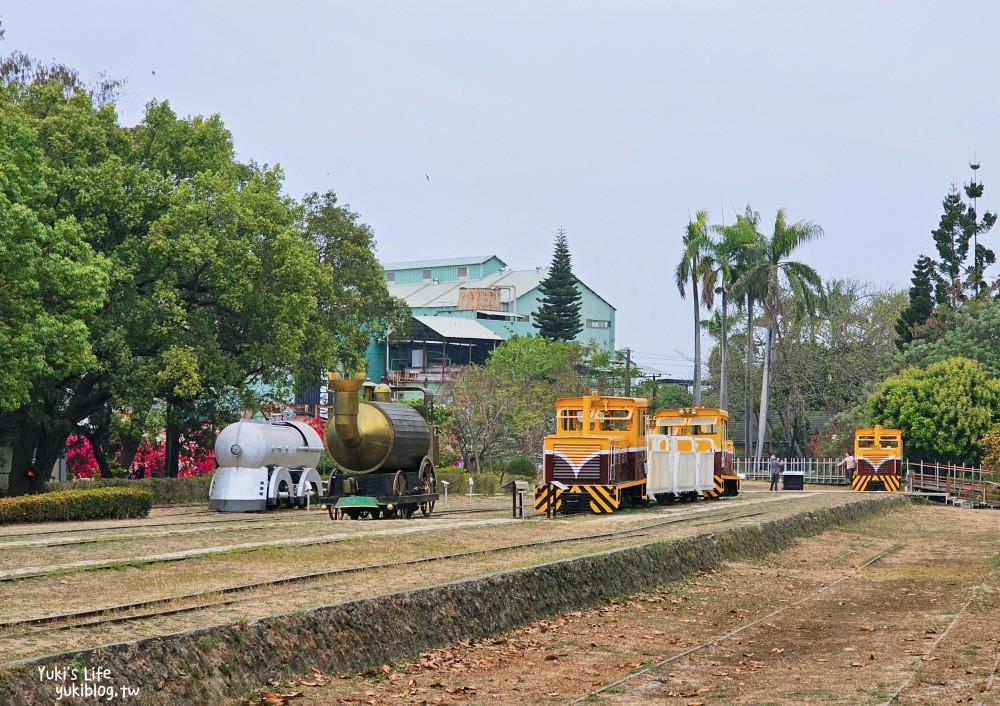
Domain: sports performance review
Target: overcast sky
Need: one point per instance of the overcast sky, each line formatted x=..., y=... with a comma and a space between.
x=614, y=120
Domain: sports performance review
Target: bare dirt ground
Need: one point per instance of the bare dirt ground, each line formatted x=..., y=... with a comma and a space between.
x=817, y=624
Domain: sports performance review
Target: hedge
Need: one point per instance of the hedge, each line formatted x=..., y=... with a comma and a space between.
x=96, y=504
x=482, y=483
x=166, y=491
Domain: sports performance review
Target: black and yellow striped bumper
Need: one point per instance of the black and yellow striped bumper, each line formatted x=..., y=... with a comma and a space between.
x=599, y=499
x=872, y=482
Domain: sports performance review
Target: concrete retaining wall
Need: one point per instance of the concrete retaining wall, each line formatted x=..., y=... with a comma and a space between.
x=218, y=664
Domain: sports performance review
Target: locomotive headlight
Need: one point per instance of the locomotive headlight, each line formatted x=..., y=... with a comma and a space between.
x=390, y=507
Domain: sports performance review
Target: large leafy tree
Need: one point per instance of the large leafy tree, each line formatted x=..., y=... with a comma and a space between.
x=558, y=316
x=215, y=275
x=353, y=303
x=771, y=275
x=943, y=411
x=970, y=333
x=507, y=406
x=697, y=270
x=50, y=277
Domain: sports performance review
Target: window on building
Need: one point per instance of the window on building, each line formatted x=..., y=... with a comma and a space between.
x=463, y=271
x=427, y=274
x=390, y=277
x=598, y=323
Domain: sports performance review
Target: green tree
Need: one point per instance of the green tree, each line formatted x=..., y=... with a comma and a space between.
x=731, y=252
x=969, y=333
x=921, y=302
x=215, y=275
x=943, y=411
x=536, y=372
x=481, y=413
x=558, y=316
x=959, y=228
x=769, y=276
x=697, y=268
x=353, y=303
x=50, y=277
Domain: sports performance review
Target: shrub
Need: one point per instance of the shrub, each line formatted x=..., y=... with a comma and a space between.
x=95, y=504
x=165, y=491
x=522, y=467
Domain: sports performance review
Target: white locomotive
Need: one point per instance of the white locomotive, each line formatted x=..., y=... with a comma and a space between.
x=265, y=464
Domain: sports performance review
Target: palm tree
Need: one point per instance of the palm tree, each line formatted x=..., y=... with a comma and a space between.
x=696, y=265
x=732, y=252
x=766, y=278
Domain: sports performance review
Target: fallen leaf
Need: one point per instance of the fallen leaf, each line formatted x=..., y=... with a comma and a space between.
x=867, y=628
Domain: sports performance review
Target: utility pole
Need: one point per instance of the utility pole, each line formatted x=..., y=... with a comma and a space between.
x=628, y=372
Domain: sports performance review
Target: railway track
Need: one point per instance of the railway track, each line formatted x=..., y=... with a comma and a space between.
x=590, y=695
x=255, y=525
x=100, y=616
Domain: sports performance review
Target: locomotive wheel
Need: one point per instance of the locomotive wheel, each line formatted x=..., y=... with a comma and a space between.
x=427, y=508
x=399, y=486
x=375, y=513
x=427, y=476
x=353, y=513
x=409, y=510
x=333, y=512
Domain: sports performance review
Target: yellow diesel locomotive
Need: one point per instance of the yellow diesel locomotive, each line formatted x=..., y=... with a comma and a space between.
x=596, y=460
x=878, y=454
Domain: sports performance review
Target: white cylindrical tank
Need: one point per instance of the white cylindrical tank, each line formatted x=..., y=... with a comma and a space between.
x=250, y=444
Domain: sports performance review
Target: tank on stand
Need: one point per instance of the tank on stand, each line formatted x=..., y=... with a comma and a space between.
x=265, y=464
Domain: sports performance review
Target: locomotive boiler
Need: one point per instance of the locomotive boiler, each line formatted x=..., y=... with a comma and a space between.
x=383, y=451
x=264, y=465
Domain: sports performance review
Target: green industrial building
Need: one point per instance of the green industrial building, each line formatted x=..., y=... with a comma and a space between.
x=462, y=309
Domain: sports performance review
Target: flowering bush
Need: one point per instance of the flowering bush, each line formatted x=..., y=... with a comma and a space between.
x=194, y=460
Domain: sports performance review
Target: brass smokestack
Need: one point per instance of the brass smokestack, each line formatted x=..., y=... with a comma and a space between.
x=345, y=408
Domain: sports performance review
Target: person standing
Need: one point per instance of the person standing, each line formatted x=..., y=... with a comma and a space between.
x=774, y=466
x=849, y=463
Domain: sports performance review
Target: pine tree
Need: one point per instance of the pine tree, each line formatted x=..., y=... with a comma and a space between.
x=921, y=301
x=982, y=257
x=558, y=316
x=960, y=227
x=953, y=247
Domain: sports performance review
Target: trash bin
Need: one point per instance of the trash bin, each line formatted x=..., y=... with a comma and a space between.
x=793, y=480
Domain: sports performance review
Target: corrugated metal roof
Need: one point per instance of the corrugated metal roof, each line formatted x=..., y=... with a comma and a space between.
x=444, y=294
x=446, y=262
x=453, y=327
x=428, y=294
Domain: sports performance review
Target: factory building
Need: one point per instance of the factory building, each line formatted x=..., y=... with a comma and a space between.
x=462, y=309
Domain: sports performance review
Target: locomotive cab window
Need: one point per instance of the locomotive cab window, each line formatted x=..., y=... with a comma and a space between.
x=571, y=419
x=615, y=419
x=888, y=442
x=866, y=442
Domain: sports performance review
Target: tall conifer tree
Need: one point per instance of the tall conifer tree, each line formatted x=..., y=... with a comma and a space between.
x=558, y=316
x=921, y=301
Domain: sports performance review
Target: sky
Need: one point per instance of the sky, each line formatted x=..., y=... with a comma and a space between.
x=460, y=128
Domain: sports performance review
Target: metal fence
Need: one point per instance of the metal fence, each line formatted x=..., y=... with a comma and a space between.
x=815, y=470
x=825, y=471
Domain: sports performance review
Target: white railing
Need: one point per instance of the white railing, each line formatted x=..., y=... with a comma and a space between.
x=815, y=470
